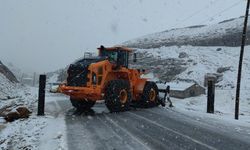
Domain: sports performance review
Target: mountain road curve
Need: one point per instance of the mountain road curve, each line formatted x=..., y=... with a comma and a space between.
x=145, y=129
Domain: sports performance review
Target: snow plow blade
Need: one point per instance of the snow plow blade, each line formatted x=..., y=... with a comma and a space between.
x=81, y=93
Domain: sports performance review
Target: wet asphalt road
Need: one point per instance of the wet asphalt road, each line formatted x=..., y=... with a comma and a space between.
x=154, y=128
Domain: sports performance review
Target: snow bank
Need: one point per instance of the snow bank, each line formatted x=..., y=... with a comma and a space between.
x=22, y=134
x=55, y=136
x=224, y=107
x=43, y=132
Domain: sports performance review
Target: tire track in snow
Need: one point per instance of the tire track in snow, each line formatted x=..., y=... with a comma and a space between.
x=217, y=135
x=147, y=133
x=128, y=133
x=176, y=132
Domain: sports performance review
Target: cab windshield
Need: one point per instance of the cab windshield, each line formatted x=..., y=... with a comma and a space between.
x=111, y=55
x=117, y=57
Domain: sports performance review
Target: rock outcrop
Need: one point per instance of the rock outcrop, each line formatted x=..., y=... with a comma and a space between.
x=7, y=73
x=11, y=114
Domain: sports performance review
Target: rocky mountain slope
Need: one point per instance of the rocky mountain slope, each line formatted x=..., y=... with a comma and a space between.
x=189, y=63
x=225, y=33
x=8, y=83
x=12, y=93
x=7, y=73
x=17, y=101
x=188, y=54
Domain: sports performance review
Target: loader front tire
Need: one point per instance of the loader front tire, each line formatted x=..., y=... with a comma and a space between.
x=82, y=104
x=118, y=95
x=150, y=95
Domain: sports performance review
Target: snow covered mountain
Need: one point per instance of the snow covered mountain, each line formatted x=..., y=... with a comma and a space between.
x=191, y=63
x=188, y=54
x=225, y=33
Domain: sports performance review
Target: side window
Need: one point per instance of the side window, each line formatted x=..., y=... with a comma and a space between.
x=122, y=58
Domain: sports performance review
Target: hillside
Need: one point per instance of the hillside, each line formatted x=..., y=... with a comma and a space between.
x=7, y=73
x=12, y=93
x=198, y=61
x=224, y=33
x=188, y=54
x=7, y=83
x=21, y=133
x=192, y=63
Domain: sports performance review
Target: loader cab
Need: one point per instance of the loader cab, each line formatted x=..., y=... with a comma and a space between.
x=116, y=55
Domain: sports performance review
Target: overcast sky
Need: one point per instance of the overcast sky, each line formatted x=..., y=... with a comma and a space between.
x=45, y=35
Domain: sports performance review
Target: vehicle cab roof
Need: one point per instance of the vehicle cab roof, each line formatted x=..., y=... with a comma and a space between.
x=115, y=48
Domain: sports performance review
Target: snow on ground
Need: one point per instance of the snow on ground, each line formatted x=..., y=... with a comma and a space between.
x=15, y=94
x=54, y=137
x=22, y=133
x=224, y=107
x=49, y=131
x=208, y=60
x=54, y=134
x=35, y=132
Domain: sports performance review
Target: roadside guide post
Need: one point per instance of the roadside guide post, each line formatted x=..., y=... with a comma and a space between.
x=41, y=97
x=210, y=95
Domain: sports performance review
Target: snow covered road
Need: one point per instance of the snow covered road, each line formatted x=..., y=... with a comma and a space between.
x=156, y=128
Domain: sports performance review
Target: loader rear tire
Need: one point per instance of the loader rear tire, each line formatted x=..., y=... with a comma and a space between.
x=82, y=104
x=118, y=95
x=150, y=95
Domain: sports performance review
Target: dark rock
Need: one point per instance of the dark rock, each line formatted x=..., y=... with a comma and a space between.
x=183, y=55
x=23, y=112
x=223, y=69
x=16, y=113
x=218, y=49
x=11, y=116
x=190, y=72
